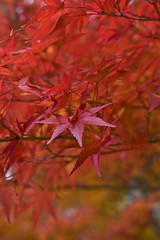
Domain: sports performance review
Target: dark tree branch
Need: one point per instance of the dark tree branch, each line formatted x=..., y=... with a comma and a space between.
x=85, y=187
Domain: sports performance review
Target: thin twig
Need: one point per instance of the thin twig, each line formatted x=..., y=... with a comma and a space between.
x=118, y=187
x=138, y=18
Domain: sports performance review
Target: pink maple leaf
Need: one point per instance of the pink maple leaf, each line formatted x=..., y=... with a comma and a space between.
x=75, y=123
x=23, y=86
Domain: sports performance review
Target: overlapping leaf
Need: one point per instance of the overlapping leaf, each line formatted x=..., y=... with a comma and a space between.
x=75, y=123
x=39, y=200
x=93, y=150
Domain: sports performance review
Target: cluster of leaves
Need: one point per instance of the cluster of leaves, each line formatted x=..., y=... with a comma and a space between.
x=90, y=67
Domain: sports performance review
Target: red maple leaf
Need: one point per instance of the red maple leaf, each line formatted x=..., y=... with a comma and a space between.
x=155, y=101
x=39, y=200
x=65, y=84
x=93, y=150
x=75, y=123
x=7, y=197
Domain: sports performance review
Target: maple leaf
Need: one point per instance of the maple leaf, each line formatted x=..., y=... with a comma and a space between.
x=39, y=199
x=65, y=83
x=92, y=149
x=155, y=101
x=7, y=196
x=23, y=85
x=75, y=123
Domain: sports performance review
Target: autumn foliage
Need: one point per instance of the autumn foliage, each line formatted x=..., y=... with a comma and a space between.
x=79, y=98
